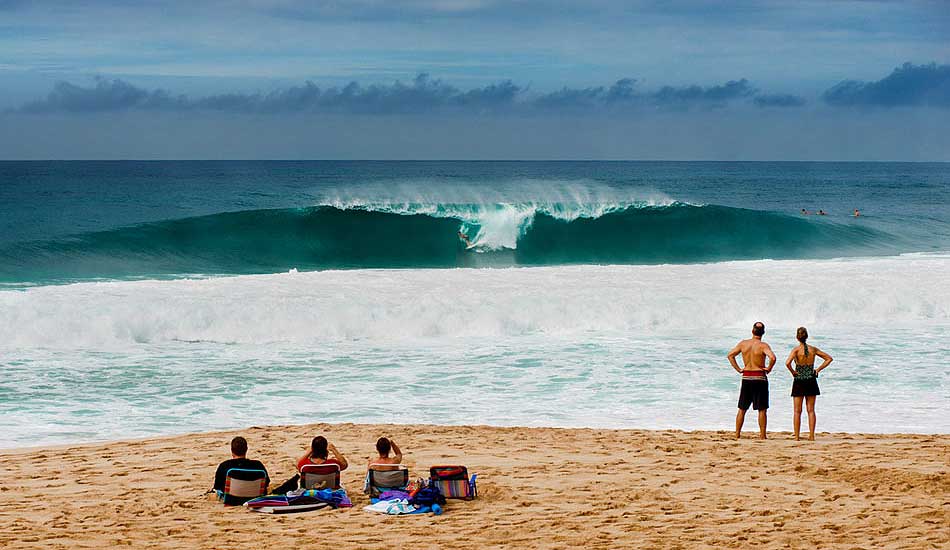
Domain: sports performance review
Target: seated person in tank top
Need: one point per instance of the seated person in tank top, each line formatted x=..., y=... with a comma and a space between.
x=385, y=462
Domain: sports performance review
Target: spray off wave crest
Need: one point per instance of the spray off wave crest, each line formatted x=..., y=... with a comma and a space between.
x=495, y=218
x=498, y=226
x=360, y=234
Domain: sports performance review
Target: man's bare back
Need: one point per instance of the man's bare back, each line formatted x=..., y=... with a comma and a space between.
x=754, y=351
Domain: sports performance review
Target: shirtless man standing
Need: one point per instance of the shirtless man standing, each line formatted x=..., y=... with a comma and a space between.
x=755, y=385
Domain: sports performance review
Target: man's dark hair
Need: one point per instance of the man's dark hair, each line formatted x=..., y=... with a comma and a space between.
x=239, y=446
x=758, y=329
x=383, y=446
x=318, y=447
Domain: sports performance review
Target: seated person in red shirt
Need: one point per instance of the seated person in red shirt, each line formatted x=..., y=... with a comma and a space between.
x=317, y=454
x=238, y=460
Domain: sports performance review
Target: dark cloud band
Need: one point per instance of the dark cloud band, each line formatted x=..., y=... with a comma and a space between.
x=908, y=85
x=422, y=95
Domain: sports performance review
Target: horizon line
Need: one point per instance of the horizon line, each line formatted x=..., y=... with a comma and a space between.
x=895, y=161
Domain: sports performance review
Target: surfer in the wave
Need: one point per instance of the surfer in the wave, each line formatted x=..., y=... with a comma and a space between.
x=465, y=239
x=755, y=385
x=857, y=213
x=805, y=212
x=822, y=212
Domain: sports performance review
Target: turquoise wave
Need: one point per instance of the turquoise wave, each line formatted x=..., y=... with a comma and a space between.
x=419, y=236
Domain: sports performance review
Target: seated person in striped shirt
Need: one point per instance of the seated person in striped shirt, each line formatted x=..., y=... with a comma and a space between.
x=755, y=385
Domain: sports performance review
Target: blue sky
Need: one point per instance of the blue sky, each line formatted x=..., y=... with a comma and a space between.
x=834, y=70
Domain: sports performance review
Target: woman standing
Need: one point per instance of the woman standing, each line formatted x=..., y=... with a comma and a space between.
x=805, y=386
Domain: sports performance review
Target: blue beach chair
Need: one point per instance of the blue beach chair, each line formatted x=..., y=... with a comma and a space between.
x=386, y=477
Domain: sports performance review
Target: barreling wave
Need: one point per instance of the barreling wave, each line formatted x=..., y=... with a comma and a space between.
x=427, y=236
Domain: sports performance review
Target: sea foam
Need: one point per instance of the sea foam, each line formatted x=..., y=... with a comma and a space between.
x=602, y=346
x=387, y=305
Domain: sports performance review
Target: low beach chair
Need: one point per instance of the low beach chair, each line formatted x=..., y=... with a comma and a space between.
x=320, y=476
x=395, y=477
x=454, y=482
x=242, y=485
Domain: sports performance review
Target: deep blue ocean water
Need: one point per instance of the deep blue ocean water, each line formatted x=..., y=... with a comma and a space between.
x=143, y=298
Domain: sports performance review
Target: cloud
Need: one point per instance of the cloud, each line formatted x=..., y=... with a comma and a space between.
x=778, y=100
x=711, y=96
x=623, y=93
x=422, y=95
x=211, y=45
x=908, y=85
x=106, y=95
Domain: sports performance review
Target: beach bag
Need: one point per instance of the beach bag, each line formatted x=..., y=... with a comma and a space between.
x=453, y=481
x=427, y=496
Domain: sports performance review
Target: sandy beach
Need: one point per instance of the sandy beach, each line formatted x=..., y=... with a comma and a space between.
x=539, y=488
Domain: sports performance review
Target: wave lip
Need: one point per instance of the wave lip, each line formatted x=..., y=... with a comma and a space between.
x=423, y=235
x=497, y=226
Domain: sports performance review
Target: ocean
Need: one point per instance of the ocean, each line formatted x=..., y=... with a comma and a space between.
x=145, y=298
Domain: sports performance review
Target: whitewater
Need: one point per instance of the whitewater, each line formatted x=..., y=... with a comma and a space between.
x=139, y=299
x=611, y=346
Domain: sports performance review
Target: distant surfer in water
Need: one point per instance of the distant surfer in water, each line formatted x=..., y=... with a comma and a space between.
x=755, y=386
x=805, y=212
x=822, y=212
x=465, y=239
x=857, y=213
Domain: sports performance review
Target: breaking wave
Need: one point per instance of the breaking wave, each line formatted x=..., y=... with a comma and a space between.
x=341, y=236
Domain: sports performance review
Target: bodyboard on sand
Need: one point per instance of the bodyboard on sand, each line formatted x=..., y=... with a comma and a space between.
x=289, y=509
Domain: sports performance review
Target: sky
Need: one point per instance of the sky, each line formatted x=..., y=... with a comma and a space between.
x=475, y=79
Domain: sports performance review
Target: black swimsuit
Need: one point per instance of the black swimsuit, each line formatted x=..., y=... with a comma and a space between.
x=806, y=381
